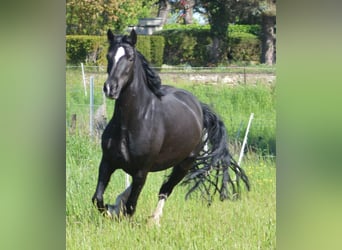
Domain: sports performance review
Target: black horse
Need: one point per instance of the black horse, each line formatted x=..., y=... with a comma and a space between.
x=155, y=127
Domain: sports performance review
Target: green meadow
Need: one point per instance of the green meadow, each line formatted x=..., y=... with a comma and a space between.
x=248, y=223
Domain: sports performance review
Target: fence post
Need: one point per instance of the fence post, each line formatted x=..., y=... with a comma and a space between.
x=91, y=105
x=244, y=75
x=245, y=139
x=84, y=80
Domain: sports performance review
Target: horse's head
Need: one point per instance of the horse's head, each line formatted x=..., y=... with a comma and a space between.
x=120, y=57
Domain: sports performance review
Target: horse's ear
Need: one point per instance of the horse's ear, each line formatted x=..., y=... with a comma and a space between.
x=133, y=37
x=110, y=35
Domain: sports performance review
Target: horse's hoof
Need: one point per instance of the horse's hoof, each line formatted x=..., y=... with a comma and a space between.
x=110, y=210
x=115, y=211
x=154, y=221
x=108, y=214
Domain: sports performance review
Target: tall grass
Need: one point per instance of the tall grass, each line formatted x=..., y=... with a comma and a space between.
x=248, y=223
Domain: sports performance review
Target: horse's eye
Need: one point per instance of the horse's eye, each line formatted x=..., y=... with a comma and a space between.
x=130, y=58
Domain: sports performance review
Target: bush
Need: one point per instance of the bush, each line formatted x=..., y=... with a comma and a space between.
x=92, y=50
x=242, y=28
x=185, y=46
x=244, y=47
x=190, y=46
x=177, y=26
x=175, y=44
x=157, y=50
x=254, y=29
x=144, y=46
x=152, y=47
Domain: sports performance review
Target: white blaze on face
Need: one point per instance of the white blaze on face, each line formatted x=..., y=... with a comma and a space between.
x=119, y=53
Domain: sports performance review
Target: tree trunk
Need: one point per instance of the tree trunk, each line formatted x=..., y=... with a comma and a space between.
x=164, y=9
x=219, y=18
x=218, y=48
x=268, y=40
x=188, y=11
x=217, y=51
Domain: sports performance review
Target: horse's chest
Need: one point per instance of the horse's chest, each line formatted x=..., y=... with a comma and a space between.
x=126, y=147
x=116, y=147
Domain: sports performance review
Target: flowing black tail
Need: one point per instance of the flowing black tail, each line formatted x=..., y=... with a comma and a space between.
x=214, y=162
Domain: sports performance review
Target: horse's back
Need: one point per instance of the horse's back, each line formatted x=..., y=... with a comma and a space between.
x=181, y=97
x=180, y=105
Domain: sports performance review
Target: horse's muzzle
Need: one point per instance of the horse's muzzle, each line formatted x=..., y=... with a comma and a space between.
x=111, y=93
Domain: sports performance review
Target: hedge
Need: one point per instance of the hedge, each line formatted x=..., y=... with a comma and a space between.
x=244, y=47
x=190, y=46
x=157, y=50
x=174, y=45
x=254, y=29
x=92, y=50
x=144, y=46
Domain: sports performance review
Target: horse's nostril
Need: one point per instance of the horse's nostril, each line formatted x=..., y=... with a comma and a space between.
x=106, y=89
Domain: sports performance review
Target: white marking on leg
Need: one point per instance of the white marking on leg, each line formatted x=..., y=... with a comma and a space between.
x=119, y=53
x=159, y=211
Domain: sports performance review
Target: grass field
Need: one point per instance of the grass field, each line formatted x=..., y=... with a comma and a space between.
x=249, y=223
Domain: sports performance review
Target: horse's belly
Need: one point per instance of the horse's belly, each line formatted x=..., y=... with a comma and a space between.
x=177, y=148
x=170, y=159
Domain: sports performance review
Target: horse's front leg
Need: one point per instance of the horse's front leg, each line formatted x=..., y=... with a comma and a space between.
x=105, y=172
x=137, y=184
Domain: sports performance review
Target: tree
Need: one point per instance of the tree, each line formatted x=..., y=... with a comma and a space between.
x=268, y=39
x=220, y=14
x=264, y=13
x=187, y=7
x=82, y=16
x=164, y=10
x=223, y=12
x=94, y=17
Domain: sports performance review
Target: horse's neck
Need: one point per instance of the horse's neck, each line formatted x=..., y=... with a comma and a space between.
x=136, y=97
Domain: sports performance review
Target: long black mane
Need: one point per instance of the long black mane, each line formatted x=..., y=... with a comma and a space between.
x=153, y=80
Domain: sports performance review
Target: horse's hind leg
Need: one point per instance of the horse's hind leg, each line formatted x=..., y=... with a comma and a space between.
x=119, y=207
x=178, y=173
